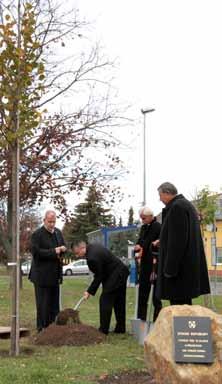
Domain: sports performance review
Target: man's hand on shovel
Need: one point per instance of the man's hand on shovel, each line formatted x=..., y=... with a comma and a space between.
x=86, y=295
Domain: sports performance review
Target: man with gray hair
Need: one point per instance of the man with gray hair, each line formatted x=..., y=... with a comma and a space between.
x=149, y=232
x=182, y=272
x=47, y=247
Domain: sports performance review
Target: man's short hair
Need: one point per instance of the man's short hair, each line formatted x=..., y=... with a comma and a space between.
x=167, y=188
x=49, y=212
x=146, y=211
x=77, y=243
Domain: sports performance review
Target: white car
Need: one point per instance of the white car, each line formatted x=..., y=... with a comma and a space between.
x=77, y=267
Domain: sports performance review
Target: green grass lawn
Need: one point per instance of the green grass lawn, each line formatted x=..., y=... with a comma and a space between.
x=63, y=365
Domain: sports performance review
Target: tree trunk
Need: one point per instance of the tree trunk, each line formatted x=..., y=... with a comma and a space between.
x=15, y=264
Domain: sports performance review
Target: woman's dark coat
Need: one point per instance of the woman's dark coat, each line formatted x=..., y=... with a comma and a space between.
x=182, y=270
x=108, y=269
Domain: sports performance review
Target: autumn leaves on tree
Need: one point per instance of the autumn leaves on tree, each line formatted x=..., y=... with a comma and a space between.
x=61, y=149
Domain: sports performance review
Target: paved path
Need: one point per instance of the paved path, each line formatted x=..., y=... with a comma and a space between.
x=216, y=288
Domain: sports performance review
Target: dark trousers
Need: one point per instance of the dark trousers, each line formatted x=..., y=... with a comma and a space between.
x=181, y=301
x=144, y=291
x=113, y=300
x=47, y=305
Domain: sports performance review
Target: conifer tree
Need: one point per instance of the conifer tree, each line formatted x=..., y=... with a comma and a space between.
x=89, y=216
x=131, y=219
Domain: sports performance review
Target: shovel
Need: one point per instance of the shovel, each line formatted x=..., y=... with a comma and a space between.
x=150, y=300
x=79, y=303
x=150, y=308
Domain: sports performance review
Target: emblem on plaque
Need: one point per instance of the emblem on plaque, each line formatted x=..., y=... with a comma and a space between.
x=192, y=324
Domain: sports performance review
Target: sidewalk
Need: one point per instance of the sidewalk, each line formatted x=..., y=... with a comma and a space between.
x=216, y=288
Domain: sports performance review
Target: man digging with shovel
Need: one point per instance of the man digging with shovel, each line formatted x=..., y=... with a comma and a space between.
x=109, y=271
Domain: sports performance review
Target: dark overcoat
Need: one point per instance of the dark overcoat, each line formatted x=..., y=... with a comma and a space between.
x=148, y=233
x=46, y=269
x=108, y=269
x=182, y=270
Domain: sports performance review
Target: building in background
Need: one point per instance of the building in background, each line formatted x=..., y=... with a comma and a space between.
x=212, y=238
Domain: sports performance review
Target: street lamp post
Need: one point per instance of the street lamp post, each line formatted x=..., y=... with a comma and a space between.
x=144, y=112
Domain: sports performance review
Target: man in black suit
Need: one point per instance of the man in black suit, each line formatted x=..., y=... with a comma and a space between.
x=109, y=271
x=47, y=247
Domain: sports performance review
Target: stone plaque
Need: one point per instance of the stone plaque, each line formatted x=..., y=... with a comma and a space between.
x=192, y=339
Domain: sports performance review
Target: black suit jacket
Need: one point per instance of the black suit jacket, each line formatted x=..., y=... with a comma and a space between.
x=46, y=269
x=108, y=269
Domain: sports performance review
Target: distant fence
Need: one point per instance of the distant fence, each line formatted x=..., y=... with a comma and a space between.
x=117, y=239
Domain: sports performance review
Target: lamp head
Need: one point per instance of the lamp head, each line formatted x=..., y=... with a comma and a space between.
x=147, y=110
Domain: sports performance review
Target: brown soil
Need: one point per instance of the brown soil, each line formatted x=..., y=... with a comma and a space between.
x=68, y=330
x=68, y=316
x=129, y=377
x=70, y=334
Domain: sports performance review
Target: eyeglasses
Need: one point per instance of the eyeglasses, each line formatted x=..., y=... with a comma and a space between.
x=144, y=217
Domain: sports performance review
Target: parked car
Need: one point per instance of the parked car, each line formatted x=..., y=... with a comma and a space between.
x=77, y=267
x=25, y=267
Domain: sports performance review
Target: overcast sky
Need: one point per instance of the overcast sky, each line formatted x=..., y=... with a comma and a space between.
x=170, y=59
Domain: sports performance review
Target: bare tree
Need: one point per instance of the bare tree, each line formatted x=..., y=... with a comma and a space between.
x=43, y=59
x=60, y=151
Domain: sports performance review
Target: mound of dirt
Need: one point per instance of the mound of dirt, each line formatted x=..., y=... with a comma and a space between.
x=68, y=316
x=71, y=334
x=128, y=377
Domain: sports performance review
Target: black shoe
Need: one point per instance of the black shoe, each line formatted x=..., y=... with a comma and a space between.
x=105, y=332
x=119, y=331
